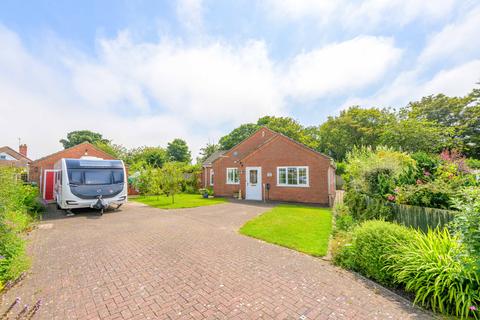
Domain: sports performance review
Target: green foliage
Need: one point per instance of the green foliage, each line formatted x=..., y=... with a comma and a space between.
x=435, y=194
x=237, y=135
x=18, y=208
x=415, y=135
x=116, y=150
x=431, y=266
x=344, y=221
x=171, y=178
x=77, y=137
x=473, y=163
x=370, y=244
x=363, y=208
x=144, y=157
x=177, y=150
x=374, y=172
x=427, y=164
x=355, y=127
x=466, y=223
x=207, y=151
x=287, y=126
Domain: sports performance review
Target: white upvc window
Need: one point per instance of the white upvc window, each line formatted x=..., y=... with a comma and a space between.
x=211, y=177
x=232, y=176
x=292, y=176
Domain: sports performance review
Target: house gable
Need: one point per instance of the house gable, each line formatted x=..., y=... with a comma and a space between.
x=12, y=155
x=259, y=137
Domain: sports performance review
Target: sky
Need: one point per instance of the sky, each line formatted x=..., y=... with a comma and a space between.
x=145, y=72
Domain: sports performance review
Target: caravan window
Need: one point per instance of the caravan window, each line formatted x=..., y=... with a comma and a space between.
x=76, y=177
x=98, y=177
x=117, y=176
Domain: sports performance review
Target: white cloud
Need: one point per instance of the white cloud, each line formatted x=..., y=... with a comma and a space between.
x=148, y=93
x=349, y=65
x=409, y=86
x=190, y=14
x=459, y=39
x=362, y=14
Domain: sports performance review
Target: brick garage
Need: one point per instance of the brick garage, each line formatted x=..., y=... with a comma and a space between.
x=293, y=171
x=38, y=167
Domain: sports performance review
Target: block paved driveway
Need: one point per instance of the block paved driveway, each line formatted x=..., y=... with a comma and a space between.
x=147, y=263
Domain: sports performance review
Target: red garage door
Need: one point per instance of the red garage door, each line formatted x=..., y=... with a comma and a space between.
x=48, y=184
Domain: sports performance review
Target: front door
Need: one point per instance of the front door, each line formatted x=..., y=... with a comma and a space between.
x=253, y=189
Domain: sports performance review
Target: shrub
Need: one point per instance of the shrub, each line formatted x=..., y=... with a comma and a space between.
x=435, y=194
x=364, y=208
x=431, y=266
x=14, y=260
x=370, y=245
x=473, y=163
x=426, y=163
x=466, y=223
x=343, y=220
x=366, y=167
x=18, y=208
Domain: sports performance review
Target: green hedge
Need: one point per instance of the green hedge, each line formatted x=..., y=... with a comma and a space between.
x=19, y=207
x=433, y=265
x=370, y=244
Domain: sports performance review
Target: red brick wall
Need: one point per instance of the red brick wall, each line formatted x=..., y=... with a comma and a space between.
x=281, y=151
x=230, y=160
x=75, y=152
x=205, y=177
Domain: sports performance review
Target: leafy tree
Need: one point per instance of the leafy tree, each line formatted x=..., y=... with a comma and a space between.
x=237, y=135
x=77, y=137
x=439, y=108
x=146, y=157
x=284, y=125
x=355, y=127
x=292, y=129
x=207, y=151
x=471, y=130
x=171, y=178
x=177, y=150
x=414, y=135
x=116, y=150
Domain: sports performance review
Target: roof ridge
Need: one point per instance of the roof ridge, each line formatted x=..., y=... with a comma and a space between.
x=84, y=142
x=16, y=152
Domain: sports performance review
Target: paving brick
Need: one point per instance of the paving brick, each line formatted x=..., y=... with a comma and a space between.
x=146, y=263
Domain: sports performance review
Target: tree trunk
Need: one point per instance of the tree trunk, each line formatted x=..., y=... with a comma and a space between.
x=173, y=198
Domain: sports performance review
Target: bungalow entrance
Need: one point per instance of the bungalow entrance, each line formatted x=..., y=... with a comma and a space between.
x=253, y=188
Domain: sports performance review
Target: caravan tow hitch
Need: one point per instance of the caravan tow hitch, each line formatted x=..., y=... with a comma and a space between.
x=99, y=205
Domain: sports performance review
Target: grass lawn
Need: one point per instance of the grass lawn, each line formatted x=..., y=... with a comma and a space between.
x=302, y=228
x=182, y=200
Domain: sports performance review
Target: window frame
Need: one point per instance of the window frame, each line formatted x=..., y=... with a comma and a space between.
x=238, y=176
x=298, y=185
x=212, y=173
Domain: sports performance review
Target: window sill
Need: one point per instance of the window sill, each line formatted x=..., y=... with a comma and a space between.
x=233, y=183
x=293, y=186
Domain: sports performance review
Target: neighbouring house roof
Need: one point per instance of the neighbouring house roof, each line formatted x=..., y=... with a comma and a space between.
x=17, y=155
x=214, y=156
x=74, y=147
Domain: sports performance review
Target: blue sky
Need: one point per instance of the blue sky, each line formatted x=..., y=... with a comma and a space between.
x=144, y=72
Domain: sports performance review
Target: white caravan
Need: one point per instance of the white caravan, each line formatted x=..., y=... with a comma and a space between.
x=90, y=182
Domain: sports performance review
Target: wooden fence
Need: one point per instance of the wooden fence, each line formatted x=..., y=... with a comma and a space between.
x=421, y=218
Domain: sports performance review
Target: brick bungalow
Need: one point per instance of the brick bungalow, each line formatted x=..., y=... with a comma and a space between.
x=270, y=166
x=41, y=167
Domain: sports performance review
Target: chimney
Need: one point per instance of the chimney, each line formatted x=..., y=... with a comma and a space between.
x=22, y=149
